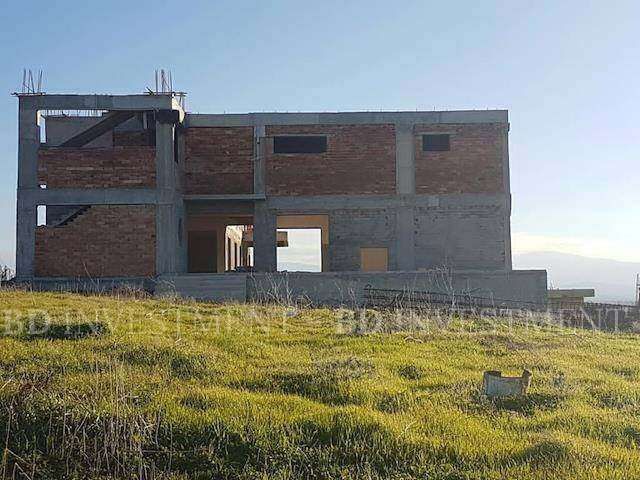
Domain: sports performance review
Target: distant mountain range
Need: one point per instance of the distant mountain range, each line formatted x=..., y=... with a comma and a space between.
x=298, y=267
x=614, y=281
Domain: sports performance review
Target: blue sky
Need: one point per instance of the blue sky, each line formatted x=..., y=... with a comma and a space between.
x=567, y=71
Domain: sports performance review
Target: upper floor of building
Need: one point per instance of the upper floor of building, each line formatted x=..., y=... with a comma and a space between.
x=112, y=143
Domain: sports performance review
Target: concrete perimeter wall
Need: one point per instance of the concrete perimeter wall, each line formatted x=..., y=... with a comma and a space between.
x=347, y=288
x=331, y=289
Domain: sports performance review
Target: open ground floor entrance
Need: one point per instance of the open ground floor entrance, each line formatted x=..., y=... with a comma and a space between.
x=220, y=238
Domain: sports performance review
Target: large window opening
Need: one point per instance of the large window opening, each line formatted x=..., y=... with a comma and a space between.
x=307, y=243
x=436, y=142
x=304, y=250
x=300, y=144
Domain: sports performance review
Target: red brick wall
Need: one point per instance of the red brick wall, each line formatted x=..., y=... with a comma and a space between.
x=135, y=138
x=360, y=160
x=473, y=165
x=105, y=241
x=118, y=167
x=219, y=160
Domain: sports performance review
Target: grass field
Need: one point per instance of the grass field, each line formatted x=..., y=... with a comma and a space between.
x=138, y=388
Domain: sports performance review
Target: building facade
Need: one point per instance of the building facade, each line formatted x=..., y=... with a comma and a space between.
x=134, y=187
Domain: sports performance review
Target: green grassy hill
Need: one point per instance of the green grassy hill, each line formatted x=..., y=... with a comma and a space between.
x=137, y=388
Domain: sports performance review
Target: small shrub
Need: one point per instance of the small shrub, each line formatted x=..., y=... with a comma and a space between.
x=351, y=368
x=394, y=402
x=411, y=372
x=560, y=384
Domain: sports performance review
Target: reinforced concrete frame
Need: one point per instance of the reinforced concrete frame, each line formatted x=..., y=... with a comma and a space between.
x=170, y=210
x=171, y=204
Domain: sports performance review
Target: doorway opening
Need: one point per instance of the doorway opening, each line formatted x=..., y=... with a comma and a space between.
x=203, y=251
x=218, y=242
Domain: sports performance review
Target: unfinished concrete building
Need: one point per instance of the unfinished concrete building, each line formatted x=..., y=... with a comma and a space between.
x=137, y=190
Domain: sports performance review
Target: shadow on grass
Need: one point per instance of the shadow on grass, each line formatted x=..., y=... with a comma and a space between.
x=183, y=365
x=324, y=389
x=526, y=405
x=327, y=382
x=196, y=401
x=45, y=435
x=622, y=400
x=545, y=453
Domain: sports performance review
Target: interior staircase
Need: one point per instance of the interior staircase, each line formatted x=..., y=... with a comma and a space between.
x=212, y=287
x=71, y=218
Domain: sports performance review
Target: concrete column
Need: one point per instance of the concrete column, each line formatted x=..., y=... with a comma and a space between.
x=27, y=218
x=406, y=188
x=405, y=235
x=26, y=215
x=260, y=148
x=507, y=191
x=168, y=250
x=264, y=239
x=182, y=259
x=221, y=247
x=165, y=161
x=405, y=160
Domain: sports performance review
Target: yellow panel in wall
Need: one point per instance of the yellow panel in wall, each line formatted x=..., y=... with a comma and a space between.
x=374, y=259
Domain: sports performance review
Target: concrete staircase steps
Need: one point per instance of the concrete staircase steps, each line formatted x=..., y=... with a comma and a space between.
x=215, y=287
x=74, y=216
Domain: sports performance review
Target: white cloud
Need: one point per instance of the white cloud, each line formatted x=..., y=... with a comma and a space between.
x=586, y=247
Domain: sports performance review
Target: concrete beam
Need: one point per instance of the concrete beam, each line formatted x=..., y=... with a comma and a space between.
x=106, y=124
x=97, y=196
x=326, y=203
x=248, y=197
x=139, y=102
x=240, y=208
x=343, y=118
